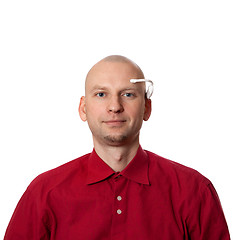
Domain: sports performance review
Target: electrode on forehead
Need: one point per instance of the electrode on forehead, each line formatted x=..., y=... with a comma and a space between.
x=150, y=88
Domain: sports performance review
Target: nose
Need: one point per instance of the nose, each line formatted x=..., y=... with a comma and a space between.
x=115, y=105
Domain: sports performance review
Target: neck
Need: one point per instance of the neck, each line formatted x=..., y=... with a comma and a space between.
x=117, y=157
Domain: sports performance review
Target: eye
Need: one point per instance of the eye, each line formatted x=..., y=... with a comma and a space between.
x=100, y=94
x=129, y=95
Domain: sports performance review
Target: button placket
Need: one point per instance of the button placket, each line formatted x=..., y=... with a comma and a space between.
x=119, y=214
x=118, y=197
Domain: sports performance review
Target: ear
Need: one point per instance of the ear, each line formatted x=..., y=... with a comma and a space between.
x=148, y=109
x=82, y=109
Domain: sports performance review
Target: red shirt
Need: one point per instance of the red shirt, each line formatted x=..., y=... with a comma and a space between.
x=152, y=198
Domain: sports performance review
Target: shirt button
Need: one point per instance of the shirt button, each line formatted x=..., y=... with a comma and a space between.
x=119, y=211
x=119, y=198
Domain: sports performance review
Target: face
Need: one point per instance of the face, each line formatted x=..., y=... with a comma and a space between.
x=113, y=107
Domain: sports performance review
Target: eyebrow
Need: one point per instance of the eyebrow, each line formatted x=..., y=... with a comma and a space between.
x=98, y=87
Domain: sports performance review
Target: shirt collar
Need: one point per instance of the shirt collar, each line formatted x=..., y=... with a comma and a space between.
x=137, y=169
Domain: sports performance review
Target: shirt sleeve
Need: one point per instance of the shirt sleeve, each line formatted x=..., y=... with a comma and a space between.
x=207, y=221
x=29, y=220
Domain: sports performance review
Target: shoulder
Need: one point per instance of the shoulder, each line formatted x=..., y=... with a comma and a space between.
x=176, y=174
x=64, y=173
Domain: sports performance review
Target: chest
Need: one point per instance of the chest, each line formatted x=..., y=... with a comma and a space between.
x=116, y=209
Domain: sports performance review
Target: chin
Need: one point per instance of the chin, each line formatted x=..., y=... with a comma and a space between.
x=115, y=140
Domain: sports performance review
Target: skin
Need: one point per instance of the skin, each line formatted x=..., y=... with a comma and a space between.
x=115, y=109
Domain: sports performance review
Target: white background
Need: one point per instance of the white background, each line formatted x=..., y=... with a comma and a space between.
x=46, y=49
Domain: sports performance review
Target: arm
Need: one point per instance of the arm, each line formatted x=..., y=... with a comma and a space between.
x=207, y=221
x=29, y=220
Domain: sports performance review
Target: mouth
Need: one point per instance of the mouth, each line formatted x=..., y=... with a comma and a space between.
x=114, y=122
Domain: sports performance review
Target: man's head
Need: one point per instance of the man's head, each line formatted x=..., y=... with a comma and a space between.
x=113, y=106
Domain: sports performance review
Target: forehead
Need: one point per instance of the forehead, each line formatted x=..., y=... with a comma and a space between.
x=112, y=74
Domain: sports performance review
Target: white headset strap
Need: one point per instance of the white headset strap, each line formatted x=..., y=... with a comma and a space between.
x=150, y=89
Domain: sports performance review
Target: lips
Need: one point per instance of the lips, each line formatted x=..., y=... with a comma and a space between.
x=114, y=122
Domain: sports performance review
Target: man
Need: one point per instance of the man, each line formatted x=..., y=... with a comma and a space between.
x=118, y=191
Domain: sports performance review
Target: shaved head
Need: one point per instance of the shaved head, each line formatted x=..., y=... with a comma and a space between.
x=119, y=58
x=105, y=62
